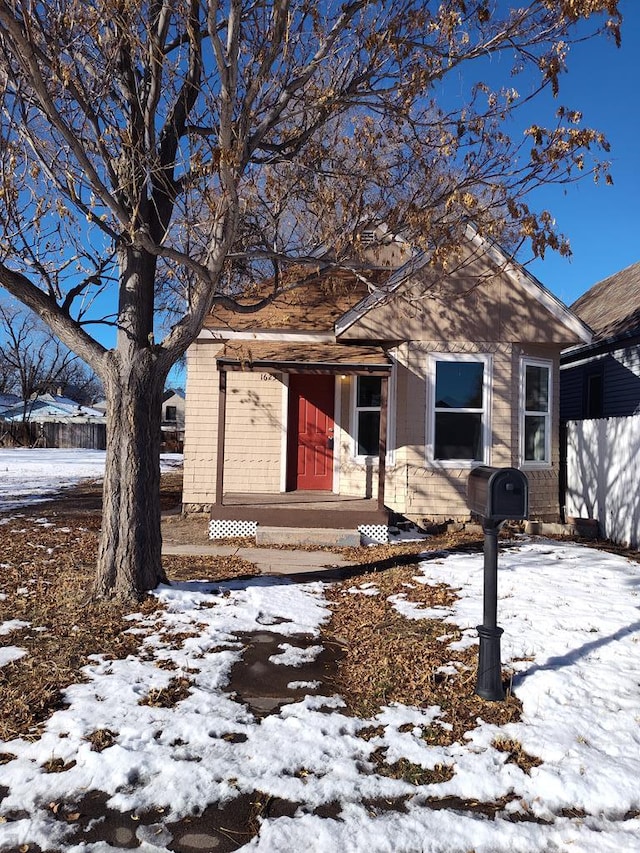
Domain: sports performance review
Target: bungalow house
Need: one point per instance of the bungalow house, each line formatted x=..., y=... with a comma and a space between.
x=374, y=393
x=601, y=379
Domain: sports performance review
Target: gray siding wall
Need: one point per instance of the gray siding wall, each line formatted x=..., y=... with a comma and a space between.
x=621, y=384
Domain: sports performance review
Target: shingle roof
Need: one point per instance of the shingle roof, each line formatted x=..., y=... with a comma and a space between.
x=325, y=297
x=348, y=358
x=612, y=306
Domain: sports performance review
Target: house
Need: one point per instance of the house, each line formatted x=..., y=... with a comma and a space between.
x=173, y=419
x=6, y=402
x=600, y=410
x=52, y=420
x=372, y=393
x=49, y=407
x=601, y=379
x=173, y=408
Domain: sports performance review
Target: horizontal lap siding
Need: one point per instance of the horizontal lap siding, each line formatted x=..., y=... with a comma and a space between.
x=253, y=430
x=620, y=370
x=439, y=493
x=253, y=433
x=201, y=424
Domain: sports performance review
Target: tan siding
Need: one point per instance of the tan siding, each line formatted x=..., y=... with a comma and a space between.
x=253, y=430
x=437, y=493
x=253, y=433
x=476, y=302
x=201, y=419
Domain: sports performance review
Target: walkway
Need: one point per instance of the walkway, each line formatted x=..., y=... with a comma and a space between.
x=269, y=561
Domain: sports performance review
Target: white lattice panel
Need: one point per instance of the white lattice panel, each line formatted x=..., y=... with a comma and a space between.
x=378, y=533
x=226, y=529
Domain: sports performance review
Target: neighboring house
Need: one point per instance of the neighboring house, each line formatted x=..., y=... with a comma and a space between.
x=51, y=420
x=172, y=427
x=173, y=409
x=342, y=393
x=601, y=379
x=50, y=407
x=600, y=410
x=6, y=402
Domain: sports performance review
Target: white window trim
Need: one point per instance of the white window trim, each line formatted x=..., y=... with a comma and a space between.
x=430, y=429
x=526, y=361
x=360, y=458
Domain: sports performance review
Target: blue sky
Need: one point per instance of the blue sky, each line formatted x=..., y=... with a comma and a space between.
x=602, y=222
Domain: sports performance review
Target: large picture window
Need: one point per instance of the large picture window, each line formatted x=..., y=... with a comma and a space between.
x=367, y=420
x=536, y=414
x=459, y=425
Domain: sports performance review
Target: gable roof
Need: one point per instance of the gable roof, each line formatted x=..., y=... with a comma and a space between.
x=612, y=306
x=332, y=300
x=510, y=267
x=50, y=407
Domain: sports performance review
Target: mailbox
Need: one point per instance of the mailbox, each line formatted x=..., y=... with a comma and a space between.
x=498, y=494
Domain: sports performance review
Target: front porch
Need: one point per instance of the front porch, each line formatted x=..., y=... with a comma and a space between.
x=312, y=415
x=301, y=509
x=240, y=514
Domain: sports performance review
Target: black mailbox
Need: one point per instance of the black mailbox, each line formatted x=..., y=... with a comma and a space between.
x=498, y=494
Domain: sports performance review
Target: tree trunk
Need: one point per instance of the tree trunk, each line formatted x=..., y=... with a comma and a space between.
x=129, y=555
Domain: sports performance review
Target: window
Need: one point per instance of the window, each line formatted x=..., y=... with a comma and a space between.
x=594, y=394
x=171, y=413
x=367, y=417
x=459, y=426
x=536, y=418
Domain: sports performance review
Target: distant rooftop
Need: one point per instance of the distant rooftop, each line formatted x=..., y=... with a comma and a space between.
x=612, y=306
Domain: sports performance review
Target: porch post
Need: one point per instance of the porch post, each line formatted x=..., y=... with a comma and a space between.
x=382, y=442
x=222, y=418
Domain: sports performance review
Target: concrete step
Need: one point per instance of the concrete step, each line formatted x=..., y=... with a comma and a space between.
x=319, y=536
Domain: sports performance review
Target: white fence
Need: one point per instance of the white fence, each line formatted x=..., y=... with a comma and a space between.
x=603, y=475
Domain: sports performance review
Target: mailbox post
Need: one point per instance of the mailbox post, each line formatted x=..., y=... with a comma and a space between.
x=495, y=495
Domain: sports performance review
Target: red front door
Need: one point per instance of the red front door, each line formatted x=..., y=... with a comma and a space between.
x=310, y=433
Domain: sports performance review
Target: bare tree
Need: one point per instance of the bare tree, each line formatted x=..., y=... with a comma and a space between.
x=33, y=361
x=166, y=150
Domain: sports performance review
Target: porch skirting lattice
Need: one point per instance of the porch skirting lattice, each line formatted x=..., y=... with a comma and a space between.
x=226, y=529
x=229, y=528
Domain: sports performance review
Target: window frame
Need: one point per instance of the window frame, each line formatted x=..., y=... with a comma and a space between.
x=530, y=361
x=593, y=373
x=362, y=458
x=486, y=360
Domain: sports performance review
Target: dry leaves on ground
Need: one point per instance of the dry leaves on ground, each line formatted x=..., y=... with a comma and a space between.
x=390, y=658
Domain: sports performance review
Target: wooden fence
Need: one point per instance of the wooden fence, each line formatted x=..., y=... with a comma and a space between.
x=90, y=436
x=603, y=475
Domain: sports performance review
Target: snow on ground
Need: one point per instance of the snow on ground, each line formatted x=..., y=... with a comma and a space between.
x=571, y=617
x=31, y=475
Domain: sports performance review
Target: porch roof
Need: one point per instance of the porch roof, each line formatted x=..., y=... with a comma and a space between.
x=289, y=357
